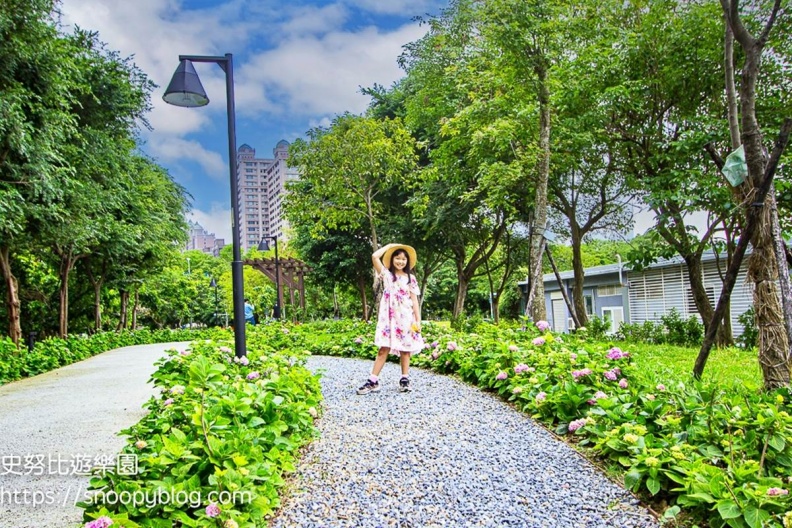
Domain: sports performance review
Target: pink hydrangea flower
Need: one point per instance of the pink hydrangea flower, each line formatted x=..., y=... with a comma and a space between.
x=650, y=397
x=572, y=356
x=538, y=341
x=184, y=353
x=359, y=340
x=577, y=374
x=599, y=395
x=591, y=401
x=617, y=353
x=623, y=383
x=612, y=374
x=543, y=326
x=213, y=510
x=101, y=522
x=661, y=387
x=576, y=424
x=451, y=346
x=435, y=344
x=501, y=375
x=513, y=348
x=542, y=396
x=517, y=390
x=140, y=444
x=775, y=492
x=167, y=402
x=225, y=350
x=435, y=355
x=177, y=389
x=522, y=367
x=253, y=375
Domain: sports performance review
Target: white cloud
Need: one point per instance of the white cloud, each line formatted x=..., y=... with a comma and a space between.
x=174, y=150
x=324, y=122
x=322, y=75
x=395, y=7
x=217, y=220
x=314, y=20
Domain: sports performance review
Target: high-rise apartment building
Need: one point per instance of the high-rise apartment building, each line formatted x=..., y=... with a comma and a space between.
x=202, y=240
x=261, y=184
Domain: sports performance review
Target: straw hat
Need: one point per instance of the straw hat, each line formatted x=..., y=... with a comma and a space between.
x=386, y=258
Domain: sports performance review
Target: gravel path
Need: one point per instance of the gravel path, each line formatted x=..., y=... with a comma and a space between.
x=444, y=455
x=56, y=421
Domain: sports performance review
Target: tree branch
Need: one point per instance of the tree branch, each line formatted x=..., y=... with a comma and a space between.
x=719, y=162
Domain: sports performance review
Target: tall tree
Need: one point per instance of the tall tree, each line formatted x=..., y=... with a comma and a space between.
x=774, y=352
x=36, y=94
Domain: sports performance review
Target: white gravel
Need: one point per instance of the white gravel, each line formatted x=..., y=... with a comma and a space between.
x=445, y=454
x=54, y=421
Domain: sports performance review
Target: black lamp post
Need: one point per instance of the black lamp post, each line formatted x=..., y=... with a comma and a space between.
x=213, y=284
x=185, y=89
x=263, y=246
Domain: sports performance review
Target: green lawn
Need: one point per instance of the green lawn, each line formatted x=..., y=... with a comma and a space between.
x=731, y=367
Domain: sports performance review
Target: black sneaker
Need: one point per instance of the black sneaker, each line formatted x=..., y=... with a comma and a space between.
x=369, y=386
x=404, y=385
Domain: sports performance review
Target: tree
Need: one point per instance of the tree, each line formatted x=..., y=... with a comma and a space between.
x=36, y=88
x=774, y=353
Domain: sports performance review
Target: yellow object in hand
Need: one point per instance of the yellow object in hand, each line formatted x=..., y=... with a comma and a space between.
x=416, y=328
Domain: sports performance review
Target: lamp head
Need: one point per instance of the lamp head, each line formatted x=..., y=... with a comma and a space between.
x=263, y=245
x=185, y=88
x=213, y=283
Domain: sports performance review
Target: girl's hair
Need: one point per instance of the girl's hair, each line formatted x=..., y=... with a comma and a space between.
x=407, y=268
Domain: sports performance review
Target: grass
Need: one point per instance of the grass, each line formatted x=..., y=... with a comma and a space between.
x=730, y=367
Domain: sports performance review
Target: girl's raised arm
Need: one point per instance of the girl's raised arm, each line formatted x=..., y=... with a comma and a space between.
x=376, y=258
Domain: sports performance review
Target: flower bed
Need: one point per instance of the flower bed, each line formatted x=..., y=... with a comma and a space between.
x=214, y=447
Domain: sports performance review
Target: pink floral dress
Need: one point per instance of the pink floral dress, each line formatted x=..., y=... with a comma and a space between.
x=395, y=319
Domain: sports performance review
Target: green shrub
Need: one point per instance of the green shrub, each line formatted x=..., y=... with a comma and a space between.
x=750, y=333
x=220, y=435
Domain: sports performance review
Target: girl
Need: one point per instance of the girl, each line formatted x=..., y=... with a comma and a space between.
x=399, y=321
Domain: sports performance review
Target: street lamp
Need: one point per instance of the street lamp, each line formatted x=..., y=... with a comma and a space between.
x=185, y=90
x=263, y=246
x=213, y=284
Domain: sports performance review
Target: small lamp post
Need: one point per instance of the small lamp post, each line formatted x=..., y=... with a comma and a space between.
x=185, y=89
x=213, y=284
x=263, y=246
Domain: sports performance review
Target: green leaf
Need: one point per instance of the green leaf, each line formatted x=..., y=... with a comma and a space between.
x=653, y=485
x=756, y=517
x=632, y=478
x=777, y=442
x=729, y=509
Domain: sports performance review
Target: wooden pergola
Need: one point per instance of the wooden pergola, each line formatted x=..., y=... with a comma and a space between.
x=292, y=275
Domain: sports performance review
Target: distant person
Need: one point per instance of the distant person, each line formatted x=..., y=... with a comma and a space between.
x=250, y=312
x=399, y=321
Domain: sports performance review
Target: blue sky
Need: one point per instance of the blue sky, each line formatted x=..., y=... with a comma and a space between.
x=297, y=64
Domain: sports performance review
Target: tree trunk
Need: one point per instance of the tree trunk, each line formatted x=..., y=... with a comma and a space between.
x=461, y=295
x=12, y=296
x=783, y=273
x=67, y=262
x=577, y=284
x=135, y=309
x=97, y=306
x=538, y=309
x=122, y=319
x=364, y=302
x=702, y=300
x=763, y=272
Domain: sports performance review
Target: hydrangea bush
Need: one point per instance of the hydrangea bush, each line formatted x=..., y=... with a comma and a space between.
x=220, y=424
